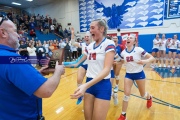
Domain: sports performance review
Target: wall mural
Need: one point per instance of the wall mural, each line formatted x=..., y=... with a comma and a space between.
x=122, y=14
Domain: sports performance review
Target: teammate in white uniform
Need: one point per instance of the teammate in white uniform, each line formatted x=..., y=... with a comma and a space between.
x=116, y=67
x=178, y=55
x=162, y=51
x=134, y=72
x=155, y=50
x=97, y=89
x=172, y=45
x=82, y=69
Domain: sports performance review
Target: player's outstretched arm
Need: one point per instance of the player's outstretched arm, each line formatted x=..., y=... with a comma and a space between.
x=76, y=65
x=73, y=38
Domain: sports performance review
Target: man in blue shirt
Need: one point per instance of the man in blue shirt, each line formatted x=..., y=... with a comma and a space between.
x=21, y=85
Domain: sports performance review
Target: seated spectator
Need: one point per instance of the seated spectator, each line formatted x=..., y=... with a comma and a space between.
x=32, y=33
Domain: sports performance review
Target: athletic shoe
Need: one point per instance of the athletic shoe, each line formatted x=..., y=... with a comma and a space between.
x=160, y=65
x=169, y=66
x=149, y=102
x=115, y=99
x=122, y=117
x=164, y=65
x=79, y=100
x=173, y=67
x=116, y=89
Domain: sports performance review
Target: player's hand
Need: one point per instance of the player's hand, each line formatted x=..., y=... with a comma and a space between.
x=79, y=92
x=72, y=30
x=59, y=68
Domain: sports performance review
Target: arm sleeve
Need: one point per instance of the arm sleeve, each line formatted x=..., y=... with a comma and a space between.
x=110, y=47
x=142, y=52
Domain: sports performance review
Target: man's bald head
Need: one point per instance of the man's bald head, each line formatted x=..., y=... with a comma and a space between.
x=8, y=34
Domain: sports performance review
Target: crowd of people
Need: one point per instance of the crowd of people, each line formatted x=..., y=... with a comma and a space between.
x=160, y=46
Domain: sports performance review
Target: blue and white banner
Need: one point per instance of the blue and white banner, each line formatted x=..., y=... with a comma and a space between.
x=122, y=14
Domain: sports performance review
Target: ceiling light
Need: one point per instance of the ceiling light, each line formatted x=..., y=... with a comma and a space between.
x=29, y=0
x=15, y=3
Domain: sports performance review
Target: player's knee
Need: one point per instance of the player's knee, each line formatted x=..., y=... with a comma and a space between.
x=126, y=98
x=117, y=77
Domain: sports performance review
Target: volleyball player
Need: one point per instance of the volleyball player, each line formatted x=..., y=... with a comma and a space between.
x=172, y=45
x=155, y=50
x=97, y=89
x=116, y=67
x=82, y=69
x=162, y=51
x=134, y=72
x=178, y=55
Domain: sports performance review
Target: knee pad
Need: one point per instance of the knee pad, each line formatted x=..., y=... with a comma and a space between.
x=126, y=98
x=145, y=95
x=117, y=77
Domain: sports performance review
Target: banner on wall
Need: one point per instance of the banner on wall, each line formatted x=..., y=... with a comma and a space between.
x=111, y=34
x=125, y=36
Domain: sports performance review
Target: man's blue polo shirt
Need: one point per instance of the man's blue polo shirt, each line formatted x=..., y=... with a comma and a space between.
x=18, y=82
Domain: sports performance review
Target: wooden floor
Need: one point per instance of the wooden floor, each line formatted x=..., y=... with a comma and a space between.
x=160, y=83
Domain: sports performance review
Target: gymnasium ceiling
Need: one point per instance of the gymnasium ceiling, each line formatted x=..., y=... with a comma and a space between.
x=25, y=4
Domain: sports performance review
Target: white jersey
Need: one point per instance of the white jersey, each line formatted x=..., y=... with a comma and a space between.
x=173, y=44
x=84, y=46
x=163, y=45
x=96, y=56
x=178, y=46
x=155, y=45
x=132, y=57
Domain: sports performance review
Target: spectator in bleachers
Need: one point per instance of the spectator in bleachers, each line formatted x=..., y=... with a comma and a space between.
x=54, y=22
x=33, y=33
x=32, y=24
x=41, y=30
x=52, y=27
x=67, y=50
x=50, y=21
x=38, y=20
x=46, y=46
x=23, y=49
x=46, y=20
x=46, y=27
x=32, y=52
x=79, y=50
x=74, y=52
x=40, y=50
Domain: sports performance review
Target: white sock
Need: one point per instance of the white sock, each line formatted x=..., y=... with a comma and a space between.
x=123, y=113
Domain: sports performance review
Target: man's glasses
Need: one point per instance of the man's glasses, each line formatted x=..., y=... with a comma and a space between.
x=3, y=18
